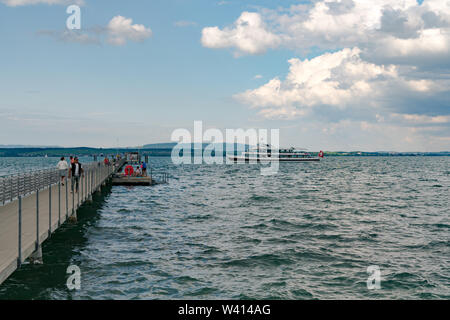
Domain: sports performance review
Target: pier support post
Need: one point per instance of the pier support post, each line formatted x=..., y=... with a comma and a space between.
x=73, y=218
x=36, y=256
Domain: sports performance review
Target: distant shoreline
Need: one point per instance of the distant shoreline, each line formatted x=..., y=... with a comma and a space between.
x=166, y=152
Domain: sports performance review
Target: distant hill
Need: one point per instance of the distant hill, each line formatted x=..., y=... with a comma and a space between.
x=168, y=145
x=18, y=146
x=171, y=145
x=155, y=150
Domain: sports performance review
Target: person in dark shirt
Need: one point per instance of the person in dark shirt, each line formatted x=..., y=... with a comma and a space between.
x=144, y=168
x=75, y=173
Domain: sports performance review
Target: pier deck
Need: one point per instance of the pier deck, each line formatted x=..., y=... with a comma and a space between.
x=28, y=218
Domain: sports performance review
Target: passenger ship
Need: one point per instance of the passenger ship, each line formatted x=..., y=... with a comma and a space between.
x=265, y=153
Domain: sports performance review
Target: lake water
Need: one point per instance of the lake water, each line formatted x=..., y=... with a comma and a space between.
x=13, y=165
x=225, y=231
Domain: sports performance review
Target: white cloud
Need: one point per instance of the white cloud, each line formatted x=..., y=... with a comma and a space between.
x=121, y=29
x=384, y=29
x=17, y=3
x=429, y=42
x=421, y=85
x=258, y=76
x=362, y=135
x=248, y=35
x=341, y=80
x=421, y=119
x=118, y=31
x=332, y=79
x=394, y=81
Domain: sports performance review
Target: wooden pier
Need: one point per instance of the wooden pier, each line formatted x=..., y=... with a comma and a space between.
x=33, y=206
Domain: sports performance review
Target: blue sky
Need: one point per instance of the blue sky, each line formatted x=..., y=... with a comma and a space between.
x=218, y=61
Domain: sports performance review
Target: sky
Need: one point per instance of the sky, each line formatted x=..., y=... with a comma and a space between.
x=338, y=75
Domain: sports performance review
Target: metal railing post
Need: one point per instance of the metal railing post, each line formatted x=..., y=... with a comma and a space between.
x=78, y=191
x=67, y=199
x=19, y=257
x=59, y=203
x=37, y=219
x=83, y=194
x=49, y=210
x=73, y=198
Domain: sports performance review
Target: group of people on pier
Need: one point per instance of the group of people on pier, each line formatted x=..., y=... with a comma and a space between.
x=140, y=171
x=74, y=172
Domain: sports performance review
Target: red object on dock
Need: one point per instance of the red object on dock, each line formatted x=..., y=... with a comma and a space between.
x=129, y=170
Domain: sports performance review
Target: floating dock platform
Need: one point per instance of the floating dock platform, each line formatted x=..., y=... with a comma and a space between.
x=121, y=180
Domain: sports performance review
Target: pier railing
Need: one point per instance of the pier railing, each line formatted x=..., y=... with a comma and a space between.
x=19, y=185
x=161, y=177
x=33, y=205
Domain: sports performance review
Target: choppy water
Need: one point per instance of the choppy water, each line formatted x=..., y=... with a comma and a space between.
x=309, y=232
x=13, y=165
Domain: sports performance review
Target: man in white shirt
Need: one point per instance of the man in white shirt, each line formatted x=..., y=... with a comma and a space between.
x=62, y=166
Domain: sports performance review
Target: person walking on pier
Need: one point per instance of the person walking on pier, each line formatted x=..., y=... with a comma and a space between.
x=63, y=167
x=75, y=172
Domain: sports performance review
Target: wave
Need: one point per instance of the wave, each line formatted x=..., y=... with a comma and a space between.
x=262, y=260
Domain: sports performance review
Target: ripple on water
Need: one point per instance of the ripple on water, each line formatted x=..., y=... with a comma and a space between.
x=309, y=232
x=261, y=260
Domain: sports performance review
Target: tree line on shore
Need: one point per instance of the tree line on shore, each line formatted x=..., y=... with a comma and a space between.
x=166, y=152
